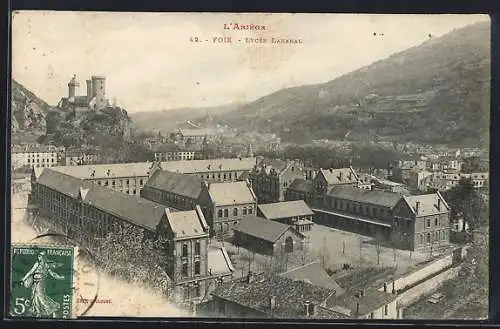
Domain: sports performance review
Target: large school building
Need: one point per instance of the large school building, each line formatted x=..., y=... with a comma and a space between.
x=88, y=212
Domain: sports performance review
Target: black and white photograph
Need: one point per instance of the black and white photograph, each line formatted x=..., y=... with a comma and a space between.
x=256, y=165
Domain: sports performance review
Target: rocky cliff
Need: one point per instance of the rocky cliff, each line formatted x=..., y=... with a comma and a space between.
x=106, y=128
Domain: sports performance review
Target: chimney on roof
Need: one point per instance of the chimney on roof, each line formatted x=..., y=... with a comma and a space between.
x=272, y=303
x=306, y=307
x=417, y=205
x=331, y=170
x=108, y=172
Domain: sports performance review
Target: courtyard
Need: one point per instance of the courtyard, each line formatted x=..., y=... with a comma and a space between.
x=333, y=248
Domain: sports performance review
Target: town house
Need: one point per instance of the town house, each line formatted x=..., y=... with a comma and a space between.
x=225, y=204
x=421, y=222
x=271, y=178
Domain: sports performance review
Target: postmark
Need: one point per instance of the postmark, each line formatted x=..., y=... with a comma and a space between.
x=42, y=281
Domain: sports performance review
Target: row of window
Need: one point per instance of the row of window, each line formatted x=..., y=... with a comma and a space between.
x=79, y=214
x=224, y=213
x=428, y=222
x=265, y=184
x=231, y=175
x=113, y=182
x=43, y=154
x=43, y=165
x=197, y=268
x=432, y=237
x=197, y=249
x=43, y=160
x=355, y=208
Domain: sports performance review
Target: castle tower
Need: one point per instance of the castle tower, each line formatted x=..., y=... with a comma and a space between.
x=72, y=85
x=99, y=91
x=90, y=91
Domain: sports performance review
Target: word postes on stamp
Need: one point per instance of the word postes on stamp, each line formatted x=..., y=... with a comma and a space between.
x=42, y=281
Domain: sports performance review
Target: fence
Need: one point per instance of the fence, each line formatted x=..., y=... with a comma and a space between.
x=420, y=275
x=411, y=295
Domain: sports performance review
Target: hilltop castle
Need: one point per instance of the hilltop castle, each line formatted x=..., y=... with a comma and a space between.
x=95, y=98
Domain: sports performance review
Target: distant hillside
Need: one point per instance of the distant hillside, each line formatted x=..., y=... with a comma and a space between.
x=167, y=120
x=437, y=92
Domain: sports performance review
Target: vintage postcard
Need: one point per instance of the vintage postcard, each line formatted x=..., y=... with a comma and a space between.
x=250, y=166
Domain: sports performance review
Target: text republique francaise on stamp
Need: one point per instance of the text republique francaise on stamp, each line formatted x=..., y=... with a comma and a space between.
x=42, y=281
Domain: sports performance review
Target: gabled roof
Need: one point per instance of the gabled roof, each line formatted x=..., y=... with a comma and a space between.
x=380, y=198
x=212, y=165
x=302, y=185
x=33, y=149
x=229, y=193
x=339, y=176
x=262, y=228
x=180, y=184
x=289, y=296
x=285, y=209
x=314, y=274
x=197, y=132
x=188, y=223
x=107, y=171
x=371, y=301
x=428, y=204
x=277, y=164
x=138, y=211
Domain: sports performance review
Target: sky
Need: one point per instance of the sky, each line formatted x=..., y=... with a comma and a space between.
x=150, y=63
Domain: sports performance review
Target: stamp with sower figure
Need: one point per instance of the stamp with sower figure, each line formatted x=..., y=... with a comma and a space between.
x=42, y=281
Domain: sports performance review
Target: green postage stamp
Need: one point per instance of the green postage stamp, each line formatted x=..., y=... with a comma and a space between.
x=42, y=281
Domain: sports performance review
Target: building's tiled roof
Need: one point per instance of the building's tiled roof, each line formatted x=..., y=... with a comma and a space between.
x=290, y=296
x=277, y=164
x=339, y=176
x=314, y=274
x=302, y=185
x=138, y=211
x=180, y=184
x=380, y=198
x=261, y=228
x=371, y=301
x=428, y=204
x=107, y=171
x=387, y=182
x=230, y=193
x=197, y=132
x=189, y=223
x=285, y=209
x=215, y=165
x=165, y=148
x=219, y=262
